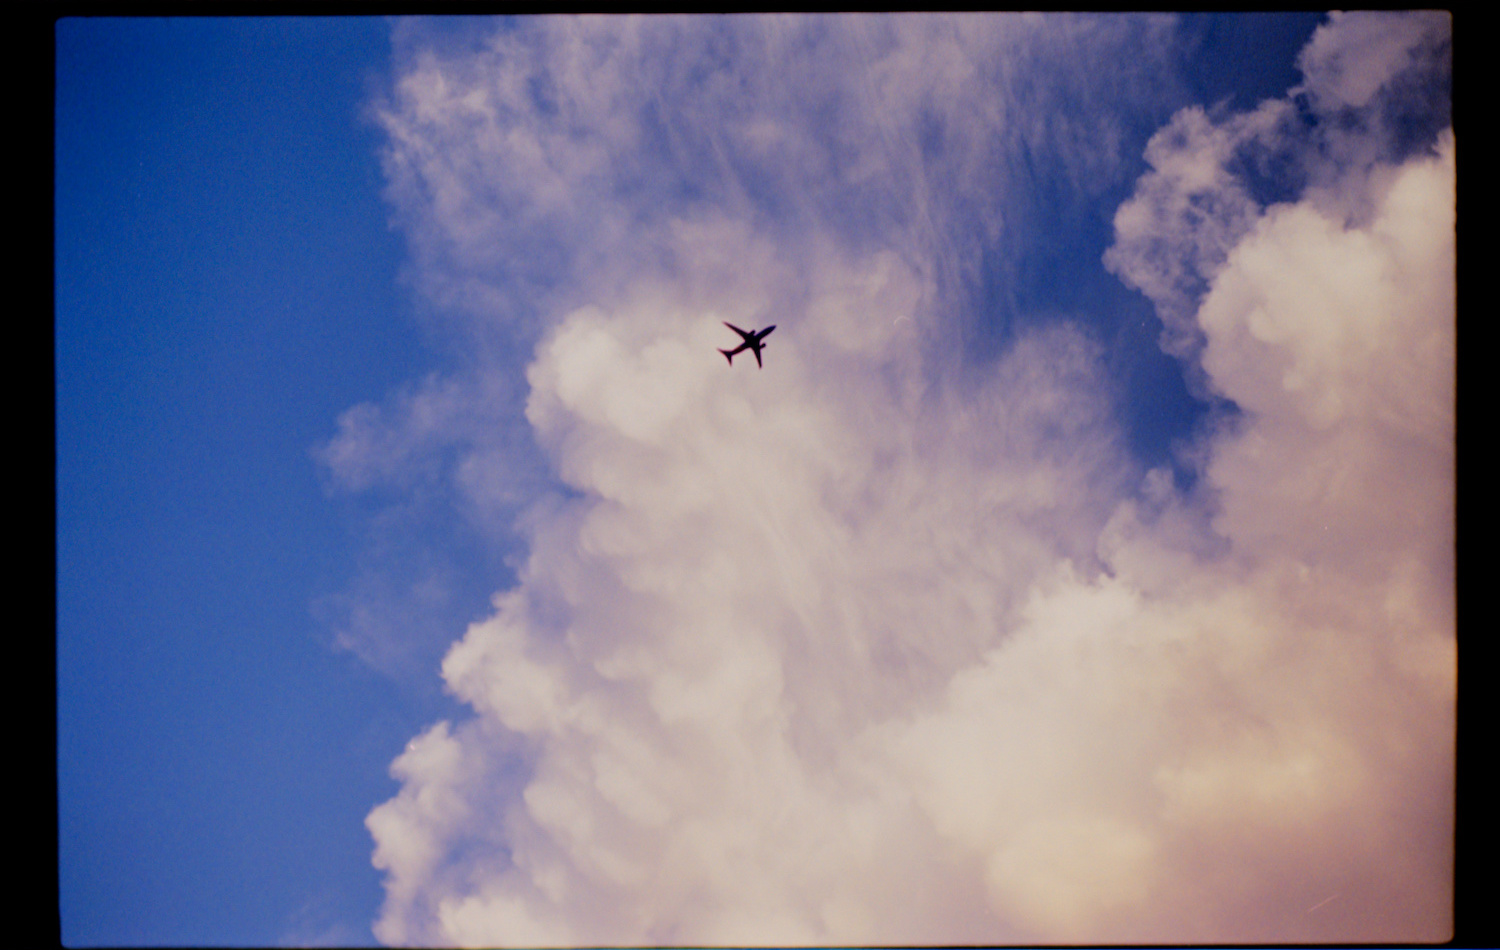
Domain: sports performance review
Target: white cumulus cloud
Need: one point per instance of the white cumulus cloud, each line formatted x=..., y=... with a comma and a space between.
x=870, y=647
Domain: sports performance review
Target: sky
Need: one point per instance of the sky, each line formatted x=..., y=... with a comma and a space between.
x=1079, y=567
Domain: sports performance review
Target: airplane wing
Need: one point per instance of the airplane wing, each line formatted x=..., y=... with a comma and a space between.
x=757, y=356
x=738, y=330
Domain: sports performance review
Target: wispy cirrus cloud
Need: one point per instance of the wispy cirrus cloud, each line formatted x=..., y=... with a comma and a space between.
x=867, y=648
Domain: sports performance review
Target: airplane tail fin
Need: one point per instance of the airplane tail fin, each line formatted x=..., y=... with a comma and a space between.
x=728, y=356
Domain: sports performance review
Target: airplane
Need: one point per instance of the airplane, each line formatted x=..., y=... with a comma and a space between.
x=752, y=342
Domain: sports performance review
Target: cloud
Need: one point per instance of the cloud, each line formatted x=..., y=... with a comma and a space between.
x=744, y=584
x=1375, y=93
x=863, y=648
x=1172, y=236
x=442, y=467
x=550, y=161
x=1358, y=57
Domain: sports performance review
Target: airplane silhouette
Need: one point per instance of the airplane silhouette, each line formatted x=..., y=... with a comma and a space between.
x=753, y=341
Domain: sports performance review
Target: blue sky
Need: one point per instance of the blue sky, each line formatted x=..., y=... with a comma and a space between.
x=226, y=285
x=371, y=330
